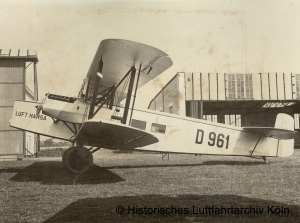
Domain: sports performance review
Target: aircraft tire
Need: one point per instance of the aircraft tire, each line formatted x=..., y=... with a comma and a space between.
x=78, y=159
x=65, y=154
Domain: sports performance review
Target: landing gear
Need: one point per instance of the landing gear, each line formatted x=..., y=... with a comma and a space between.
x=77, y=159
x=65, y=154
x=265, y=159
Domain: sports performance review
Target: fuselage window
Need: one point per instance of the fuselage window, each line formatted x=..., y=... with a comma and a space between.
x=158, y=128
x=138, y=124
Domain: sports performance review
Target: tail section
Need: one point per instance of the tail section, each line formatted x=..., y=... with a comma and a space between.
x=286, y=122
x=277, y=141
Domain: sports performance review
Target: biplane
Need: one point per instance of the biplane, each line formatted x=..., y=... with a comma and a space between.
x=103, y=115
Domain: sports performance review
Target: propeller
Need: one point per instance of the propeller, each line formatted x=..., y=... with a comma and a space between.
x=39, y=107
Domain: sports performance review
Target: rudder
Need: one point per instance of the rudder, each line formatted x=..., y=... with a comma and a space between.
x=284, y=121
x=286, y=147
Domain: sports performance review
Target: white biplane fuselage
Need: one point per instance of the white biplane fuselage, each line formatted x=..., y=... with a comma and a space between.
x=175, y=134
x=97, y=120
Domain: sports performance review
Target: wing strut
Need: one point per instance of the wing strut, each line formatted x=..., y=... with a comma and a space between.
x=95, y=93
x=255, y=145
x=112, y=92
x=129, y=92
x=134, y=96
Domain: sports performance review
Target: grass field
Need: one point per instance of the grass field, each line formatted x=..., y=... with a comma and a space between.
x=41, y=190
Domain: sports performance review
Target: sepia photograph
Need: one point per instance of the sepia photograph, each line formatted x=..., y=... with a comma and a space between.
x=149, y=111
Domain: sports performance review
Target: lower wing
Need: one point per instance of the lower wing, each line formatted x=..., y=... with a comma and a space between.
x=113, y=136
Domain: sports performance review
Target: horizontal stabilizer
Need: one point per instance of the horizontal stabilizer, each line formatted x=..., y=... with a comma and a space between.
x=271, y=132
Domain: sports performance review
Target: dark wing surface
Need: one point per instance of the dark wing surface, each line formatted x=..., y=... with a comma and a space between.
x=113, y=136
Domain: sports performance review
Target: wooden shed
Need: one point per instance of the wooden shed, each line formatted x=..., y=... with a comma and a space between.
x=15, y=85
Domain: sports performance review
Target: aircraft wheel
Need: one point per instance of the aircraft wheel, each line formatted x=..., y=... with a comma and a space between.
x=78, y=159
x=65, y=154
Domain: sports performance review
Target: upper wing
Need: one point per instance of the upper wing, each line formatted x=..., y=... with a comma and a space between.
x=272, y=132
x=119, y=55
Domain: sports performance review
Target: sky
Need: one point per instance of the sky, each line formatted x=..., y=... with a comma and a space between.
x=236, y=36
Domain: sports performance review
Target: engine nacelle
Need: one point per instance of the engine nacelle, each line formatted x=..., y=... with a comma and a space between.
x=64, y=108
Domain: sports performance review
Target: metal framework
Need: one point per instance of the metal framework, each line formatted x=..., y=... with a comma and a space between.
x=108, y=94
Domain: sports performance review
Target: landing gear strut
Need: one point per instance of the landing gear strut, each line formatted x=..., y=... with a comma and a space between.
x=77, y=159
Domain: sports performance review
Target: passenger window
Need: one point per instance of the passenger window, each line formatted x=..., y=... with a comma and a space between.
x=138, y=124
x=158, y=128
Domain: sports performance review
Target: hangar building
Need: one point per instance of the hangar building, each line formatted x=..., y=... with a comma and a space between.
x=18, y=81
x=235, y=99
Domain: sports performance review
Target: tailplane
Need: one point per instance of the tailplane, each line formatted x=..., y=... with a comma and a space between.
x=282, y=135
